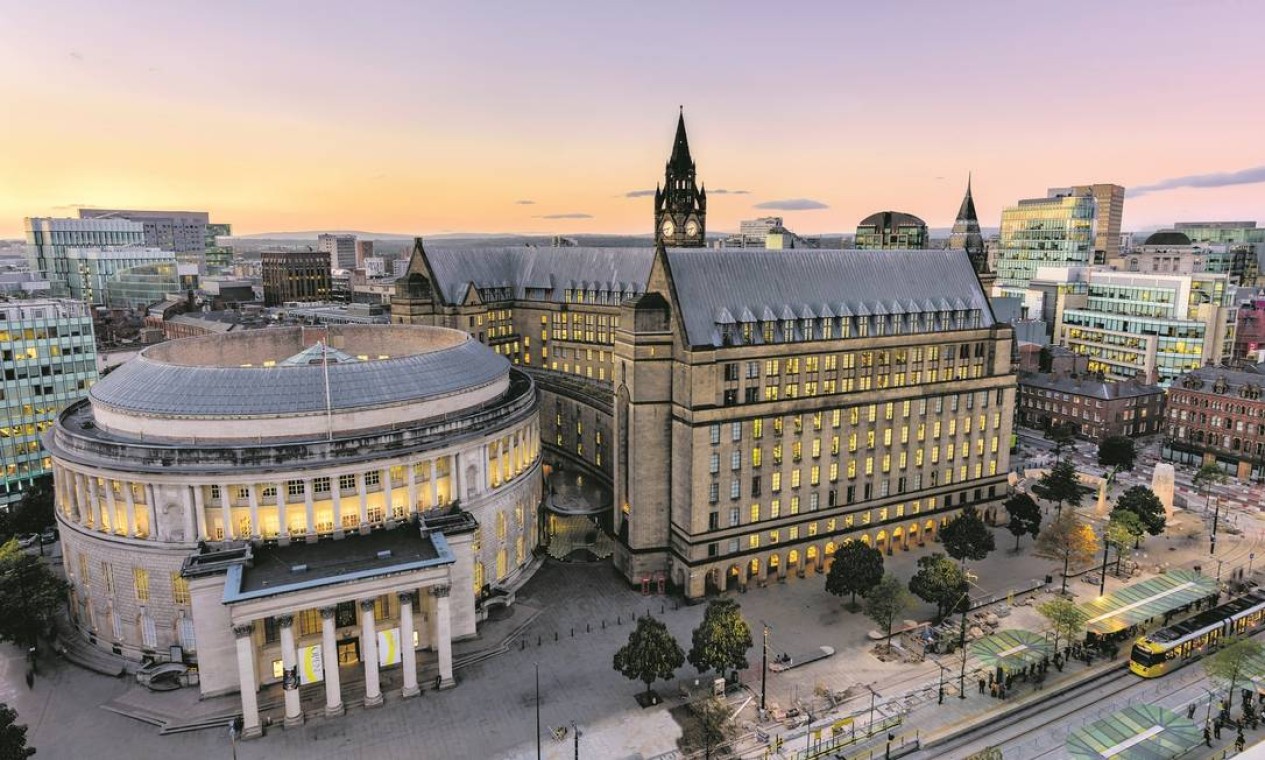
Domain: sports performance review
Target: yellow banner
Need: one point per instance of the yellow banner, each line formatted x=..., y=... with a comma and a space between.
x=311, y=664
x=389, y=647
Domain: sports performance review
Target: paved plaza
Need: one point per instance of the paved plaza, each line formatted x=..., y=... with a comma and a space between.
x=568, y=621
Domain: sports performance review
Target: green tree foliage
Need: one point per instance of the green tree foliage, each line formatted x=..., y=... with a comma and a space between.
x=1208, y=476
x=721, y=640
x=32, y=513
x=1142, y=502
x=1063, y=436
x=939, y=581
x=1067, y=539
x=650, y=653
x=1025, y=517
x=967, y=537
x=1060, y=484
x=30, y=596
x=885, y=602
x=1124, y=529
x=12, y=736
x=1231, y=664
x=1065, y=617
x=1117, y=451
x=855, y=570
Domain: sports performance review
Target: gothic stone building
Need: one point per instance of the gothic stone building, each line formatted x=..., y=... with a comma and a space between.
x=747, y=413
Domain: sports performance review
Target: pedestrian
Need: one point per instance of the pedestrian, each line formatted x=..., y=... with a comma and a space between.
x=992, y=690
x=1216, y=730
x=1190, y=711
x=30, y=679
x=981, y=685
x=1239, y=742
x=1207, y=736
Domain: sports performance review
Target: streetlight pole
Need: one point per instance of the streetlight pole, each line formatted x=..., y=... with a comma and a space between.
x=869, y=728
x=962, y=646
x=764, y=665
x=575, y=730
x=1216, y=516
x=1102, y=577
x=539, y=755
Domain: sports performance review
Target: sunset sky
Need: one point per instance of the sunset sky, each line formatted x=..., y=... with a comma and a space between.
x=422, y=117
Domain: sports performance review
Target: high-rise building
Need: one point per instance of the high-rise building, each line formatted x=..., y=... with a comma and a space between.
x=966, y=233
x=219, y=256
x=740, y=415
x=295, y=276
x=49, y=360
x=680, y=205
x=1109, y=210
x=1150, y=327
x=891, y=230
x=148, y=284
x=179, y=231
x=47, y=240
x=364, y=251
x=340, y=249
x=1043, y=232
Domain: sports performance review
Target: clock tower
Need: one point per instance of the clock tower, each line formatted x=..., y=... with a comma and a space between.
x=680, y=205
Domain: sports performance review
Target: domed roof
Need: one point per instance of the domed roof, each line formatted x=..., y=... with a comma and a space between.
x=892, y=219
x=280, y=372
x=1167, y=237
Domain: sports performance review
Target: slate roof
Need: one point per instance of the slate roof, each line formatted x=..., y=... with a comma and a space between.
x=1085, y=386
x=553, y=269
x=857, y=281
x=147, y=386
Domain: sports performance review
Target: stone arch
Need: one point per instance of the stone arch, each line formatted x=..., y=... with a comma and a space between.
x=812, y=556
x=753, y=568
x=882, y=543
x=863, y=538
x=898, y=537
x=775, y=565
x=913, y=533
x=792, y=560
x=734, y=575
x=929, y=530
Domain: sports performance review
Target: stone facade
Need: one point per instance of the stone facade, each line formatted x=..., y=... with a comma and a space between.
x=1217, y=416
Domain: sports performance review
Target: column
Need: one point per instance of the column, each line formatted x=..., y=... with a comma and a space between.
x=329, y=656
x=369, y=653
x=408, y=655
x=199, y=510
x=226, y=511
x=151, y=508
x=103, y=521
x=111, y=503
x=308, y=507
x=283, y=527
x=129, y=501
x=364, y=500
x=457, y=493
x=290, y=670
x=434, y=485
x=252, y=492
x=412, y=487
x=388, y=494
x=336, y=499
x=246, y=679
x=443, y=635
x=87, y=513
x=190, y=527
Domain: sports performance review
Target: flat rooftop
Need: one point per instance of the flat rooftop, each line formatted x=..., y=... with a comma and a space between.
x=300, y=566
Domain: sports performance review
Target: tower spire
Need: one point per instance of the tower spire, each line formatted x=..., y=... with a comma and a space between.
x=681, y=145
x=966, y=213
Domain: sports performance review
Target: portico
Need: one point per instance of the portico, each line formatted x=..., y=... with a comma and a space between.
x=299, y=613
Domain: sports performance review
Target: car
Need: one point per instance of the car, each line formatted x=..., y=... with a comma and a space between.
x=28, y=539
x=49, y=535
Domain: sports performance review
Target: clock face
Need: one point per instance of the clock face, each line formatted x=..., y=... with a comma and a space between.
x=668, y=228
x=691, y=228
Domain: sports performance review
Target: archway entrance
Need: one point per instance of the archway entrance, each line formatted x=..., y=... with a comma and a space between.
x=753, y=570
x=881, y=542
x=898, y=537
x=775, y=565
x=792, y=563
x=830, y=555
x=913, y=533
x=735, y=577
x=929, y=530
x=812, y=559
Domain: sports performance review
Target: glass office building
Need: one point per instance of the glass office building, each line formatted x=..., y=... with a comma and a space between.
x=49, y=359
x=1044, y=232
x=1151, y=327
x=141, y=286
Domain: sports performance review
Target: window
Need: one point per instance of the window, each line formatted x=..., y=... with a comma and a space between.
x=179, y=588
x=714, y=466
x=715, y=433
x=713, y=493
x=320, y=485
x=294, y=488
x=140, y=582
x=735, y=460
x=735, y=489
x=347, y=482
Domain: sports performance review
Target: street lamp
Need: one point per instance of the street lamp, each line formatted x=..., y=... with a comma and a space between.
x=869, y=728
x=964, y=602
x=764, y=665
x=1216, y=516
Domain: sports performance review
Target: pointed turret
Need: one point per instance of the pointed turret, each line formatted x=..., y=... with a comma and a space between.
x=680, y=159
x=966, y=214
x=966, y=232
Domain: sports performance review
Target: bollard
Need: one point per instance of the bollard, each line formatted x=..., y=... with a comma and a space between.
x=587, y=629
x=537, y=640
x=603, y=624
x=663, y=608
x=573, y=633
x=619, y=620
x=555, y=635
x=522, y=644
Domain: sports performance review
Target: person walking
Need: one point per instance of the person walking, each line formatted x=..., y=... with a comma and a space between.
x=981, y=685
x=1239, y=742
x=1207, y=736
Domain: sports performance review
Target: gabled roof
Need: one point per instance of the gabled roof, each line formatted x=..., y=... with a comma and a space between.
x=554, y=270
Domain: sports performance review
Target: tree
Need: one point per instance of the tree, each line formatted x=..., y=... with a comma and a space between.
x=713, y=725
x=1232, y=663
x=34, y=511
x=1060, y=484
x=1208, y=476
x=722, y=639
x=1065, y=617
x=650, y=653
x=30, y=596
x=12, y=736
x=1025, y=517
x=1123, y=529
x=1062, y=436
x=1117, y=451
x=857, y=567
x=967, y=537
x=1068, y=539
x=885, y=602
x=939, y=581
x=1142, y=502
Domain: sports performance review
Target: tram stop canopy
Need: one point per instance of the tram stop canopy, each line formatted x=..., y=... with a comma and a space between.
x=1011, y=649
x=1133, y=604
x=1138, y=732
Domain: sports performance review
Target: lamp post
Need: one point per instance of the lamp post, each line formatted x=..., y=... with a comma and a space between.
x=764, y=665
x=539, y=755
x=1216, y=518
x=1106, y=547
x=965, y=604
x=575, y=731
x=869, y=728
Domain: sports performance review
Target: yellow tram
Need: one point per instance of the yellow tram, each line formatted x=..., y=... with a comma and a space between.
x=1169, y=648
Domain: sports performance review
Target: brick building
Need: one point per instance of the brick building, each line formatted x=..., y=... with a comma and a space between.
x=1098, y=409
x=1217, y=415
